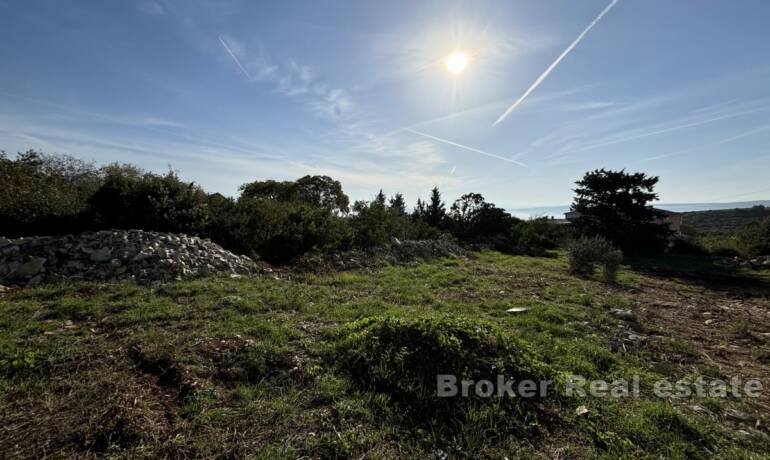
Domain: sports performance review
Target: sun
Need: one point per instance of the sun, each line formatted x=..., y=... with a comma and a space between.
x=456, y=62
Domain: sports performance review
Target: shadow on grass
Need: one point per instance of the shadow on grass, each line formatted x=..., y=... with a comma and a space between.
x=710, y=272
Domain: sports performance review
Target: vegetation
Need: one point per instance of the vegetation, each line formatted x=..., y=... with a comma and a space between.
x=277, y=368
x=344, y=364
x=723, y=220
x=616, y=206
x=398, y=359
x=585, y=252
x=755, y=238
x=41, y=192
x=274, y=220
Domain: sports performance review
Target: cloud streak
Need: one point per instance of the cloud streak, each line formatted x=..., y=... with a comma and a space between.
x=465, y=147
x=235, y=58
x=553, y=65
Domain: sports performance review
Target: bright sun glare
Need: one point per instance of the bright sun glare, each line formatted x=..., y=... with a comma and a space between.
x=456, y=62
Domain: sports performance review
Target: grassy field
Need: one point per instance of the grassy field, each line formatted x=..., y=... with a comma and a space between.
x=295, y=365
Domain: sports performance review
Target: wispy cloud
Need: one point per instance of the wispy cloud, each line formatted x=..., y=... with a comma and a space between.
x=294, y=80
x=583, y=106
x=553, y=65
x=726, y=140
x=152, y=7
x=669, y=127
x=465, y=147
x=254, y=66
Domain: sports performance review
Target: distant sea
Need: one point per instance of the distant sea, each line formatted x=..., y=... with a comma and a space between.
x=558, y=211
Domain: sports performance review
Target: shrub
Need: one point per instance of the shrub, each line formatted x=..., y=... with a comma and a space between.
x=274, y=230
x=755, y=239
x=132, y=198
x=401, y=358
x=376, y=223
x=537, y=236
x=611, y=262
x=44, y=194
x=586, y=252
x=685, y=246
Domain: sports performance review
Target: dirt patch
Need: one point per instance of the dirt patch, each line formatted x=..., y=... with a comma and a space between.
x=706, y=331
x=168, y=372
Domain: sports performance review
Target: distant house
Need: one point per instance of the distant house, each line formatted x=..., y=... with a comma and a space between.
x=671, y=218
x=571, y=215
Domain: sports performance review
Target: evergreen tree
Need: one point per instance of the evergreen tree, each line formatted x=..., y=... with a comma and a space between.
x=398, y=205
x=616, y=205
x=419, y=210
x=379, y=200
x=435, y=212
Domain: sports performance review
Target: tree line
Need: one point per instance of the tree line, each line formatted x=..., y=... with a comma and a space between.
x=44, y=194
x=276, y=220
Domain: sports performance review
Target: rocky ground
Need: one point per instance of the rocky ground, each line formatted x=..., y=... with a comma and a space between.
x=756, y=263
x=114, y=256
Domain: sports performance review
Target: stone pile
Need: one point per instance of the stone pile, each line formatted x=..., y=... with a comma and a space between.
x=115, y=255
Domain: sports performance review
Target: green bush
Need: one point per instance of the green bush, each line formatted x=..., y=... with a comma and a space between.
x=274, y=230
x=132, y=198
x=44, y=194
x=755, y=239
x=401, y=359
x=685, y=246
x=375, y=223
x=586, y=252
x=537, y=236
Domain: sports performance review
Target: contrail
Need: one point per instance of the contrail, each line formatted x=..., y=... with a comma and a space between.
x=554, y=64
x=235, y=58
x=465, y=147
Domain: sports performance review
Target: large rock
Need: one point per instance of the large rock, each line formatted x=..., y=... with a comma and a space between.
x=30, y=268
x=116, y=255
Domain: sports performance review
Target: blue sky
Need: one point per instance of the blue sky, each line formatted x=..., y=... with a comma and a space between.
x=228, y=92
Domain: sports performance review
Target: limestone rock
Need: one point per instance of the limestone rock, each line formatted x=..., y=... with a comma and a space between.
x=116, y=255
x=30, y=268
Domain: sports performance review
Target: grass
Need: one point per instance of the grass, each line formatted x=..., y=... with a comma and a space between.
x=266, y=368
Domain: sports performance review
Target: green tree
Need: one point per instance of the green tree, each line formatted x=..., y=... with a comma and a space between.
x=616, y=205
x=397, y=204
x=132, y=198
x=435, y=211
x=45, y=194
x=473, y=219
x=320, y=191
x=420, y=211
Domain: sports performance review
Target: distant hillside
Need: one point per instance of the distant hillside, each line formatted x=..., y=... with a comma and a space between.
x=724, y=219
x=558, y=211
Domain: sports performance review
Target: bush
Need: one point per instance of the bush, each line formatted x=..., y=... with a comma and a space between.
x=755, y=239
x=401, y=358
x=685, y=246
x=586, y=252
x=276, y=231
x=45, y=194
x=132, y=198
x=376, y=223
x=535, y=237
